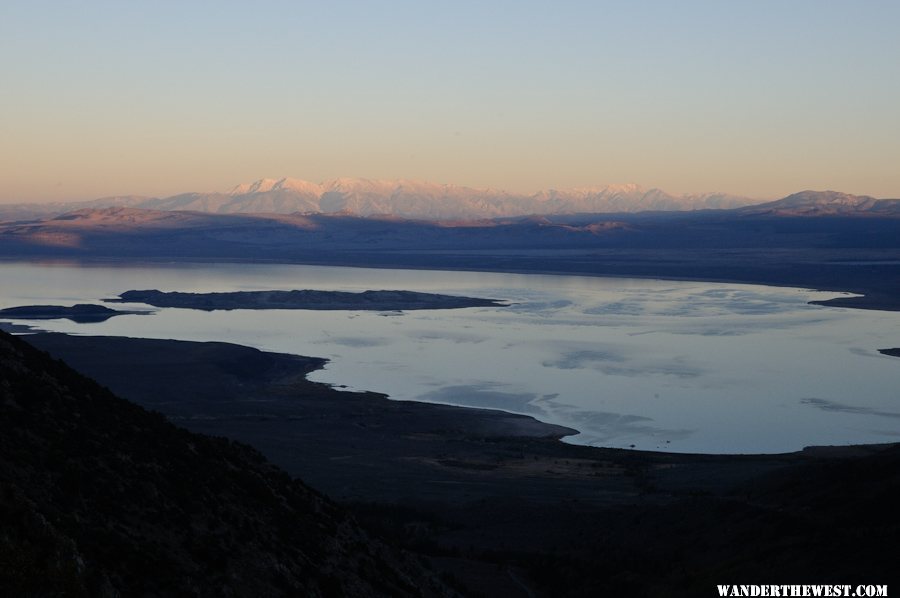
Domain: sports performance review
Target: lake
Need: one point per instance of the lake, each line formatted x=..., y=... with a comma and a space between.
x=670, y=365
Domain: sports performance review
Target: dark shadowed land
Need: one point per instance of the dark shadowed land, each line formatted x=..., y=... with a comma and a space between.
x=892, y=352
x=82, y=313
x=499, y=505
x=14, y=328
x=304, y=299
x=101, y=498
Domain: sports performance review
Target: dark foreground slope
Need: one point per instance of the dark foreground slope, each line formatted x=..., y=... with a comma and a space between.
x=99, y=497
x=498, y=504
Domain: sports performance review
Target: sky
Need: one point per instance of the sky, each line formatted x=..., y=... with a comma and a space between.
x=759, y=98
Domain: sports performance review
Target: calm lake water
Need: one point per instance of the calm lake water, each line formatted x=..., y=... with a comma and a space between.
x=679, y=366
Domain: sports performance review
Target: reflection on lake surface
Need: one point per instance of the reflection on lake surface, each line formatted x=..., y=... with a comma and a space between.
x=680, y=366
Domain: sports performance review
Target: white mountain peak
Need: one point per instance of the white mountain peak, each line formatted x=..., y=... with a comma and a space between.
x=413, y=198
x=259, y=186
x=298, y=185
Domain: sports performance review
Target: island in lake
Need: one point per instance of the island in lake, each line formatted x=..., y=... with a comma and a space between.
x=305, y=299
x=81, y=313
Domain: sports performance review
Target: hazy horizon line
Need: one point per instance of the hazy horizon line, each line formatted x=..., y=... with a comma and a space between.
x=561, y=188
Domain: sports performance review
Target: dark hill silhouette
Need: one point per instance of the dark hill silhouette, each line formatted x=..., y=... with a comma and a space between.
x=103, y=498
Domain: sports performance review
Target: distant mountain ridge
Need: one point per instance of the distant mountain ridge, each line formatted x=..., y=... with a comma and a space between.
x=823, y=240
x=402, y=198
x=819, y=218
x=823, y=203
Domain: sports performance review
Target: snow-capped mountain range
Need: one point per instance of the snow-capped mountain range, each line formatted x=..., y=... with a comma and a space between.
x=400, y=198
x=822, y=203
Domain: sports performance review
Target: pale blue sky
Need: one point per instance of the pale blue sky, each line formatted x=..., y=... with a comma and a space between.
x=761, y=98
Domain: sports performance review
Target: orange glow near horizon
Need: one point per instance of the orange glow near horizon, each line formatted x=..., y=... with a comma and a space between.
x=522, y=98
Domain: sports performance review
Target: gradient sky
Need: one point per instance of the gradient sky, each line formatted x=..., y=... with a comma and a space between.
x=761, y=98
